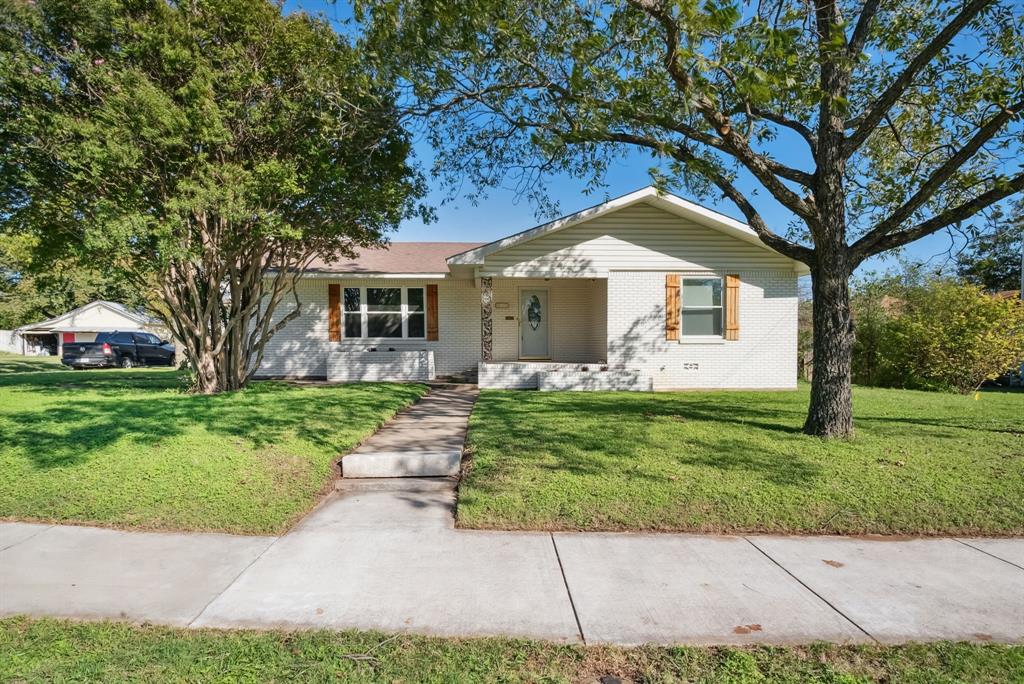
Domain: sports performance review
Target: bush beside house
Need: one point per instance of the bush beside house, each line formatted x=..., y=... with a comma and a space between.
x=935, y=334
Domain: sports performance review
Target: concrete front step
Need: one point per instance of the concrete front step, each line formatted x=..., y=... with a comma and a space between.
x=398, y=484
x=402, y=464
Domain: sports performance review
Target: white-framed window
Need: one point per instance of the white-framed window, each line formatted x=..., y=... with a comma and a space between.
x=384, y=312
x=703, y=314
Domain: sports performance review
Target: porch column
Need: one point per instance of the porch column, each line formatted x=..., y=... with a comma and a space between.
x=486, y=319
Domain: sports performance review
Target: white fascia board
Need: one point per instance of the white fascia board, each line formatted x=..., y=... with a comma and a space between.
x=323, y=275
x=51, y=324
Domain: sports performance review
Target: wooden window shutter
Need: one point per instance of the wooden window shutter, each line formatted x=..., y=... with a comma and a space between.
x=672, y=306
x=432, y=312
x=732, y=307
x=334, y=312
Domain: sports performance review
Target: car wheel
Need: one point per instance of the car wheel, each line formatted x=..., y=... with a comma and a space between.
x=126, y=362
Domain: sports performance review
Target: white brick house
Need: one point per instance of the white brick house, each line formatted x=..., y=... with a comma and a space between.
x=644, y=291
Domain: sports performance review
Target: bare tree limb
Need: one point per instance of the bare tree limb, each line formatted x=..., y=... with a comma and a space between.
x=754, y=218
x=862, y=29
x=806, y=133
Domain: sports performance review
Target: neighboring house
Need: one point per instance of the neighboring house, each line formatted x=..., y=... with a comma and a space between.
x=644, y=291
x=47, y=338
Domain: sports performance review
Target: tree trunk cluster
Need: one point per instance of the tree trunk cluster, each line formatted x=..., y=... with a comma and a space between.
x=220, y=298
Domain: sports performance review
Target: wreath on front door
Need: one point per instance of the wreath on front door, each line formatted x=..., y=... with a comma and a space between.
x=533, y=311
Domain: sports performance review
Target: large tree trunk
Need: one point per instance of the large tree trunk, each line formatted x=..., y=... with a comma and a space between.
x=221, y=309
x=830, y=413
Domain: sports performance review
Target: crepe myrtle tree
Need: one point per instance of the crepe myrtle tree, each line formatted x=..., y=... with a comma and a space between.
x=205, y=148
x=874, y=122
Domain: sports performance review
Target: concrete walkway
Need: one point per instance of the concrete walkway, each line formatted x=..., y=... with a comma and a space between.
x=384, y=554
x=424, y=440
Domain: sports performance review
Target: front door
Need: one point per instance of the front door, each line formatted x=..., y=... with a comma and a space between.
x=534, y=318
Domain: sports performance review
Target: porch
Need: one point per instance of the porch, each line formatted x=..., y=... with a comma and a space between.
x=555, y=320
x=548, y=334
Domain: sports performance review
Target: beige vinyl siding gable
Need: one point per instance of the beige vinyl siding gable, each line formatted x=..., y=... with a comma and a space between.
x=639, y=237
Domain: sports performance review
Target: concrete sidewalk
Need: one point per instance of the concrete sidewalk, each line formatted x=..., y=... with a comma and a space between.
x=384, y=554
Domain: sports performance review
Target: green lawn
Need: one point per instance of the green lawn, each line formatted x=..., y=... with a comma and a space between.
x=921, y=463
x=51, y=650
x=131, y=449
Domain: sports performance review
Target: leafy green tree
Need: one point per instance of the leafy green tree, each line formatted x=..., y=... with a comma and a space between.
x=206, y=149
x=875, y=122
x=31, y=291
x=993, y=262
x=875, y=301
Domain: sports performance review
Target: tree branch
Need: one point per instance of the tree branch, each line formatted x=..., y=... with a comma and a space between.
x=941, y=175
x=869, y=119
x=781, y=120
x=862, y=29
x=735, y=145
x=873, y=243
x=754, y=218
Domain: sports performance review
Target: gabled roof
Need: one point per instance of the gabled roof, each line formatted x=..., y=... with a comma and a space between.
x=398, y=257
x=649, y=195
x=120, y=309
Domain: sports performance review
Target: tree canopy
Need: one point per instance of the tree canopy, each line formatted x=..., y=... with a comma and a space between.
x=873, y=122
x=33, y=290
x=196, y=145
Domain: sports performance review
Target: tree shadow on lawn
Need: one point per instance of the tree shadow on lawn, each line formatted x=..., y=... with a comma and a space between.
x=581, y=433
x=756, y=433
x=110, y=381
x=332, y=418
x=10, y=364
x=782, y=413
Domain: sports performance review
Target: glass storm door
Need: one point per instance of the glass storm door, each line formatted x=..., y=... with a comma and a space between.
x=534, y=317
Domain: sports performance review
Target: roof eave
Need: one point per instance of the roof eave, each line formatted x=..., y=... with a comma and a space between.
x=113, y=307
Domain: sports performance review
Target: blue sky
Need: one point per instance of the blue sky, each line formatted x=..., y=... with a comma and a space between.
x=502, y=212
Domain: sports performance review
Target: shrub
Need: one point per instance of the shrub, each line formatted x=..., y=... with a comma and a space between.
x=938, y=334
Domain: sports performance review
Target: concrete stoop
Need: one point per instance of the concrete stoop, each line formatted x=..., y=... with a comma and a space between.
x=425, y=440
x=399, y=464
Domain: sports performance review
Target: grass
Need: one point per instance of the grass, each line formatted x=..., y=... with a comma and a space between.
x=51, y=650
x=921, y=463
x=130, y=448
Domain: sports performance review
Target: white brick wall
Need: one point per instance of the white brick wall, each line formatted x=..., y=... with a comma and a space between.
x=380, y=366
x=763, y=357
x=634, y=327
x=300, y=349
